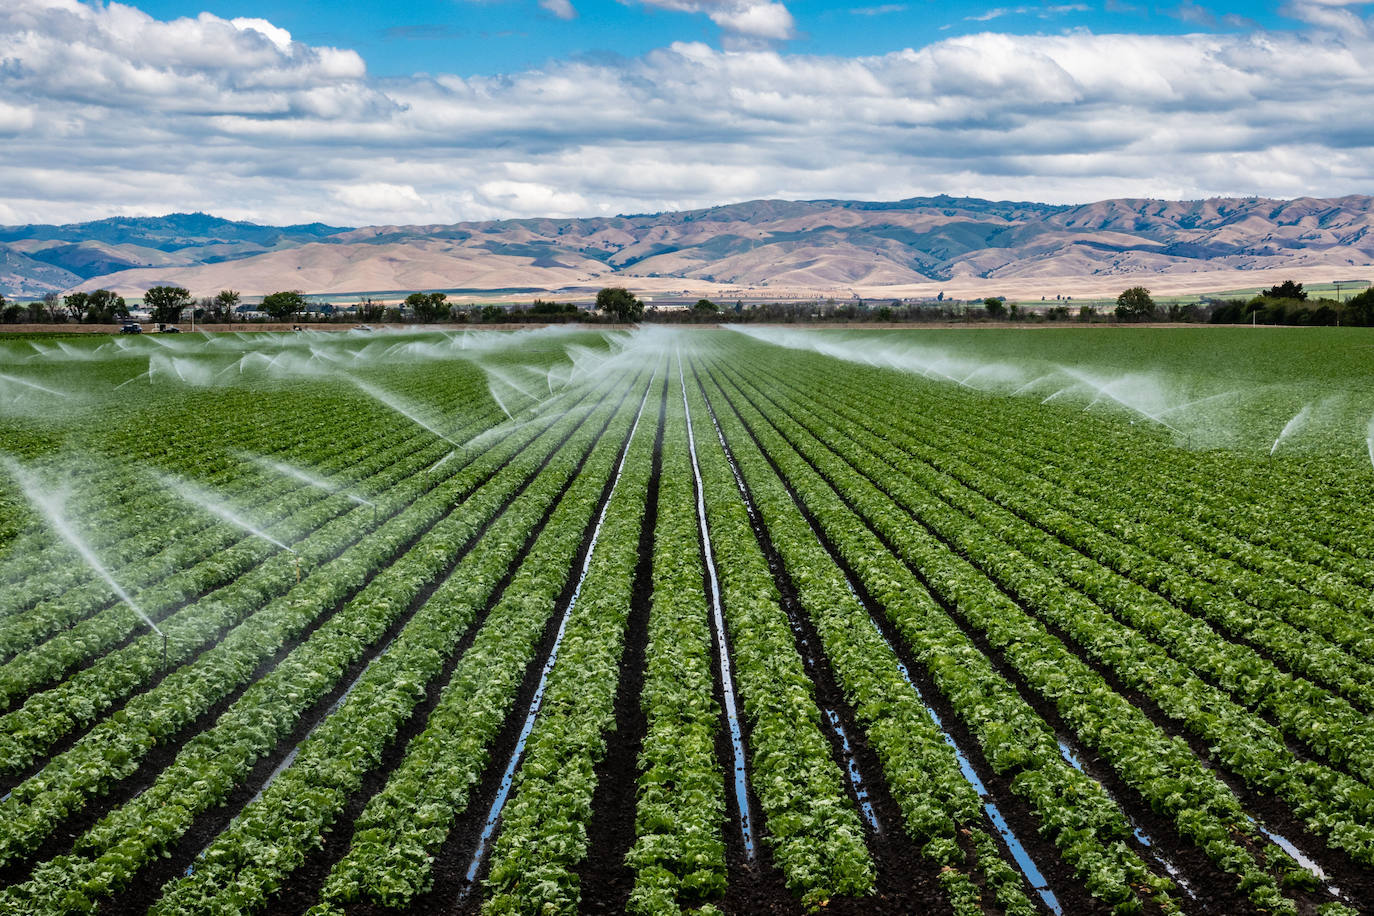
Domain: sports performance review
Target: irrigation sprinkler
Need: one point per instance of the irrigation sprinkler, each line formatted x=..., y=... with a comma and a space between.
x=164, y=650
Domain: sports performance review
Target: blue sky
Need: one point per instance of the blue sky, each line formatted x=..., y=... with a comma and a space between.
x=498, y=36
x=437, y=111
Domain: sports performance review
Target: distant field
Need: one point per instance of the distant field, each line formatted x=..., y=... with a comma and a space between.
x=983, y=621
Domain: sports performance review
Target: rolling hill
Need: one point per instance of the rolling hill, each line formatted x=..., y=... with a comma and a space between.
x=766, y=245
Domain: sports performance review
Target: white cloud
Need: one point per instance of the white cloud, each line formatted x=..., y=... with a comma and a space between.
x=880, y=10
x=275, y=34
x=1040, y=12
x=14, y=118
x=563, y=9
x=1329, y=14
x=765, y=20
x=106, y=111
x=378, y=195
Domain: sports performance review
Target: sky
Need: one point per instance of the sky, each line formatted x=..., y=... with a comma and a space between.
x=364, y=112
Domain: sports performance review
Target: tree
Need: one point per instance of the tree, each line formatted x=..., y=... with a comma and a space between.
x=1135, y=304
x=78, y=304
x=370, y=309
x=541, y=307
x=428, y=307
x=106, y=307
x=56, y=311
x=705, y=307
x=282, y=305
x=165, y=303
x=620, y=302
x=223, y=305
x=1286, y=290
x=996, y=306
x=1360, y=309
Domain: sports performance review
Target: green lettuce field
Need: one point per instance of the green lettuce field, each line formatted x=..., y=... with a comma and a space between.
x=772, y=620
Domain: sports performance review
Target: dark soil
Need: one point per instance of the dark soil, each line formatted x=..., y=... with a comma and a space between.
x=450, y=892
x=146, y=887
x=605, y=880
x=1216, y=892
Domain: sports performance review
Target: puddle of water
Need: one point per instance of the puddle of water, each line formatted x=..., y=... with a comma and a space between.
x=1301, y=858
x=1024, y=862
x=727, y=679
x=1023, y=859
x=808, y=654
x=856, y=779
x=1141, y=836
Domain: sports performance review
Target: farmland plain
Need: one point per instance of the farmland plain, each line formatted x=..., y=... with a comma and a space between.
x=1071, y=621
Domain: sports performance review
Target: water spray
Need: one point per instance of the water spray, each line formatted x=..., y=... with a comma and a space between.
x=207, y=502
x=1291, y=427
x=50, y=504
x=387, y=400
x=305, y=477
x=1369, y=441
x=33, y=385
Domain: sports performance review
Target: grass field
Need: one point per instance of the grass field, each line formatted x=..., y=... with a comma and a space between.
x=1071, y=621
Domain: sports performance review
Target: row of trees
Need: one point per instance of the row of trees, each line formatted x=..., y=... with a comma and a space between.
x=1284, y=303
x=165, y=304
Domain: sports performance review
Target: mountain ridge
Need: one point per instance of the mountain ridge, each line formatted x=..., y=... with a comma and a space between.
x=765, y=245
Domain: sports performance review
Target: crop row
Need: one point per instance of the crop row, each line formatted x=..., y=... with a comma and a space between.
x=1073, y=810
x=1048, y=537
x=1115, y=486
x=405, y=824
x=811, y=824
x=1333, y=804
x=678, y=856
x=1271, y=567
x=255, y=854
x=114, y=749
x=1269, y=504
x=197, y=562
x=543, y=832
x=942, y=811
x=175, y=600
x=1161, y=502
x=1060, y=542
x=1289, y=624
x=128, y=517
x=1142, y=756
x=46, y=717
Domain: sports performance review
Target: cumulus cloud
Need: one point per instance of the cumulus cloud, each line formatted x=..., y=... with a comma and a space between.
x=765, y=20
x=105, y=111
x=1330, y=14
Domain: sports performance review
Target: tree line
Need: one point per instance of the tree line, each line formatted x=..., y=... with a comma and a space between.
x=1284, y=303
